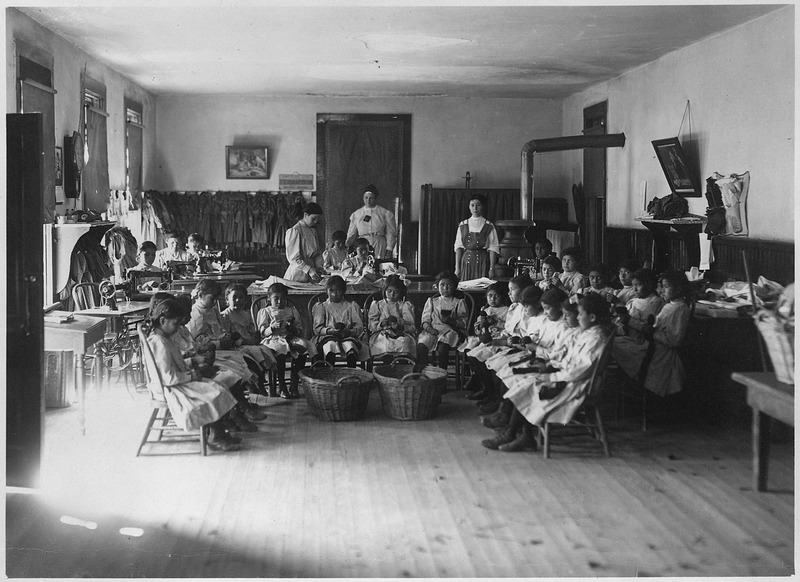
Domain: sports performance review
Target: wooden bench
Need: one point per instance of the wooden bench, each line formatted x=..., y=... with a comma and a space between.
x=768, y=398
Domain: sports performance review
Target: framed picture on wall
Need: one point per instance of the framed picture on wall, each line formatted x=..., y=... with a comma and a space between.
x=246, y=163
x=677, y=167
x=59, y=167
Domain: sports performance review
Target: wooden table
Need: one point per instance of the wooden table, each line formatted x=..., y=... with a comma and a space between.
x=768, y=398
x=76, y=336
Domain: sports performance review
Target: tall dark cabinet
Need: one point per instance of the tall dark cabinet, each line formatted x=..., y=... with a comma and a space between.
x=24, y=293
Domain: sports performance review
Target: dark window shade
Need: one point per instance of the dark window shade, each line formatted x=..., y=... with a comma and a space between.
x=134, y=168
x=29, y=69
x=95, y=174
x=36, y=100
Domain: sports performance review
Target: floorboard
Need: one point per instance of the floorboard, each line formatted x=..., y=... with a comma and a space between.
x=386, y=498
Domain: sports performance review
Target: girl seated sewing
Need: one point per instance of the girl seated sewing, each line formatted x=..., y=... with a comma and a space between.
x=551, y=269
x=598, y=277
x=554, y=396
x=444, y=322
x=361, y=264
x=229, y=373
x=572, y=280
x=206, y=326
x=665, y=374
x=336, y=254
x=194, y=401
x=281, y=329
x=626, y=270
x=391, y=322
x=237, y=320
x=491, y=318
x=338, y=326
x=516, y=320
x=645, y=303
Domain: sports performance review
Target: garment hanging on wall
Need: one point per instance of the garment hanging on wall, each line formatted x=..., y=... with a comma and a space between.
x=239, y=219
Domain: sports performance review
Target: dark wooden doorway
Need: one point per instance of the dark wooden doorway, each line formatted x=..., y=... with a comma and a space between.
x=24, y=294
x=594, y=185
x=354, y=150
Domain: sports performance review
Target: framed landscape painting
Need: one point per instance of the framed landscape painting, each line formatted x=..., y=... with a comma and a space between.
x=246, y=163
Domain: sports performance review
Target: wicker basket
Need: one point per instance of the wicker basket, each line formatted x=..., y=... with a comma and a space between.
x=335, y=394
x=409, y=396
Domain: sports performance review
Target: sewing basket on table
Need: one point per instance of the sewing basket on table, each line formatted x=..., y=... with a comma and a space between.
x=335, y=394
x=410, y=396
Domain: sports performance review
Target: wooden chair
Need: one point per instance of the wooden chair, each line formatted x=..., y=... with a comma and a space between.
x=161, y=421
x=256, y=305
x=457, y=359
x=644, y=369
x=321, y=298
x=86, y=296
x=372, y=298
x=588, y=415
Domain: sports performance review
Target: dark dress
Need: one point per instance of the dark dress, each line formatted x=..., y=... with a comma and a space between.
x=475, y=260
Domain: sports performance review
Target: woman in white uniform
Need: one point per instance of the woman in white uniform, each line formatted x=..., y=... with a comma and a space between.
x=302, y=247
x=374, y=223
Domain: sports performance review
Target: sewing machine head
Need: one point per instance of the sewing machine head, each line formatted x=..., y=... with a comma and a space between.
x=521, y=265
x=108, y=291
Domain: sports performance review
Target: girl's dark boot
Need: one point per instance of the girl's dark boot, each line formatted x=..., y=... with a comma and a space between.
x=525, y=441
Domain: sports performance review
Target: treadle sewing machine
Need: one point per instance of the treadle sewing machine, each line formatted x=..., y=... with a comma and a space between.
x=210, y=261
x=521, y=265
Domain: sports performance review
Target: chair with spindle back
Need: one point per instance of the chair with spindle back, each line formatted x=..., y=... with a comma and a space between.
x=588, y=415
x=321, y=298
x=161, y=421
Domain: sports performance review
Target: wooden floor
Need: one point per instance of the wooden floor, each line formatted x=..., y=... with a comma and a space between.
x=385, y=498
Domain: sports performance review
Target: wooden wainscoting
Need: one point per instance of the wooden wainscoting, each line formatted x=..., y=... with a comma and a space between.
x=772, y=259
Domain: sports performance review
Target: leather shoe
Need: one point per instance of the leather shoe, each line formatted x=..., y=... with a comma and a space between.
x=479, y=395
x=497, y=420
x=494, y=443
x=241, y=422
x=489, y=407
x=253, y=414
x=220, y=440
x=521, y=443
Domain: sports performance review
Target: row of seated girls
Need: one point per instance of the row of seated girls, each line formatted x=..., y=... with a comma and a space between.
x=538, y=363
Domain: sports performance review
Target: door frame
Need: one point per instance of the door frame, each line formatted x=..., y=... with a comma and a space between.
x=405, y=254
x=595, y=123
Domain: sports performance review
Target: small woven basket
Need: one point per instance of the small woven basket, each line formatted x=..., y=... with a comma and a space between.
x=335, y=394
x=406, y=395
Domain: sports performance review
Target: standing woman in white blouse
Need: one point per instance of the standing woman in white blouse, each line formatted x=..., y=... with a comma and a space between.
x=476, y=245
x=375, y=224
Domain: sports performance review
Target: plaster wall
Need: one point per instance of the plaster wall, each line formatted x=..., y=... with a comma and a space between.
x=68, y=62
x=740, y=89
x=449, y=137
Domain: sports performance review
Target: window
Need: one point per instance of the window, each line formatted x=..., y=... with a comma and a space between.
x=95, y=173
x=133, y=148
x=35, y=94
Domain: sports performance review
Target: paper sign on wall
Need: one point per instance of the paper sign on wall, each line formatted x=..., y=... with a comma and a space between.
x=295, y=182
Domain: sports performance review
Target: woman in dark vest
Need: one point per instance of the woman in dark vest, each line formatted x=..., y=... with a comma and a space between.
x=476, y=246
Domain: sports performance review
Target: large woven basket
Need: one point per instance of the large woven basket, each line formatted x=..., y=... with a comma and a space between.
x=335, y=394
x=409, y=396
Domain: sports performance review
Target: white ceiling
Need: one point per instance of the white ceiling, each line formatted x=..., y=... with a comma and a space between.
x=476, y=51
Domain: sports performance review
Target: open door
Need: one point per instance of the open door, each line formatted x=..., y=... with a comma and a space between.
x=24, y=293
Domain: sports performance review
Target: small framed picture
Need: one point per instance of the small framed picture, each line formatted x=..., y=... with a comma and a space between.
x=677, y=167
x=59, y=167
x=246, y=163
